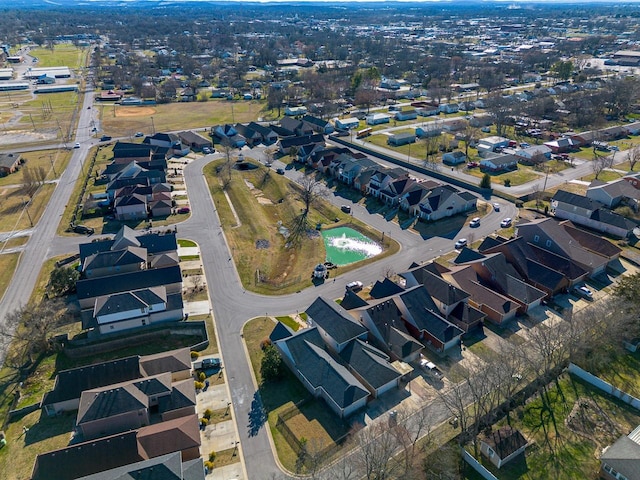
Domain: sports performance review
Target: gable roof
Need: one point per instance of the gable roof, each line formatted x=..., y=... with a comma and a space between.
x=440, y=289
x=576, y=200
x=321, y=370
x=71, y=383
x=467, y=279
x=467, y=255
x=114, y=258
x=351, y=300
x=505, y=441
x=170, y=361
x=96, y=287
x=624, y=455
x=369, y=363
x=332, y=319
x=385, y=288
x=426, y=316
x=165, y=467
x=182, y=433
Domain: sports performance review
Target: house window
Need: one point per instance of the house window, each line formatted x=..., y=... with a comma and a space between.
x=536, y=238
x=548, y=243
x=490, y=452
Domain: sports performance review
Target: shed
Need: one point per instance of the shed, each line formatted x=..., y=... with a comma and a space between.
x=401, y=139
x=503, y=445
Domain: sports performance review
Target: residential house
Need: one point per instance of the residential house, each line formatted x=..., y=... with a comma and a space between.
x=454, y=158
x=590, y=252
x=495, y=272
x=449, y=298
x=524, y=260
x=194, y=141
x=227, y=135
x=130, y=207
x=161, y=205
x=385, y=288
x=295, y=111
x=454, y=125
x=621, y=461
x=381, y=179
x=400, y=139
x=167, y=140
x=69, y=384
x=448, y=108
x=305, y=354
x=613, y=194
x=502, y=445
x=134, y=174
x=371, y=367
x=377, y=118
x=170, y=465
x=590, y=213
x=444, y=201
x=9, y=163
x=363, y=178
x=406, y=114
x=349, y=168
x=491, y=144
x=533, y=155
x=428, y=131
x=388, y=330
x=130, y=405
x=633, y=178
x=335, y=326
x=499, y=163
x=297, y=127
x=565, y=144
x=267, y=134
x=285, y=144
x=411, y=199
x=318, y=124
x=498, y=308
x=395, y=189
x=347, y=123
x=424, y=322
x=95, y=456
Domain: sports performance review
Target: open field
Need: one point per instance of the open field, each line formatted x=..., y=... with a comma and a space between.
x=121, y=121
x=569, y=434
x=13, y=215
x=14, y=242
x=263, y=202
x=62, y=55
x=40, y=159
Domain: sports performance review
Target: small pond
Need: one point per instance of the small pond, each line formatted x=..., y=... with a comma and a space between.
x=345, y=245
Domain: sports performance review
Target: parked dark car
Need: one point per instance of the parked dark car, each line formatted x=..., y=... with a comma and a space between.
x=280, y=171
x=105, y=138
x=184, y=210
x=83, y=229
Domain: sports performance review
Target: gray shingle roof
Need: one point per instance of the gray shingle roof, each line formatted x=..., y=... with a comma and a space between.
x=369, y=363
x=624, y=457
x=334, y=320
x=165, y=467
x=576, y=200
x=426, y=316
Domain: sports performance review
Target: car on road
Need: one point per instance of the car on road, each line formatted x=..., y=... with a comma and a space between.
x=583, y=292
x=461, y=242
x=345, y=208
x=354, y=286
x=76, y=145
x=506, y=223
x=280, y=171
x=475, y=222
x=496, y=207
x=139, y=134
x=207, y=150
x=472, y=164
x=184, y=210
x=105, y=138
x=83, y=229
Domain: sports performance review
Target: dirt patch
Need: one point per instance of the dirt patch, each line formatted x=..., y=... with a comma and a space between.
x=24, y=136
x=588, y=420
x=135, y=111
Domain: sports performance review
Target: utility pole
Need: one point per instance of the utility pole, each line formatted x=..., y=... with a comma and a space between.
x=153, y=127
x=26, y=204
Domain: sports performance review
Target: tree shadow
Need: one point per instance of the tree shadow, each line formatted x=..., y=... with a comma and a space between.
x=257, y=415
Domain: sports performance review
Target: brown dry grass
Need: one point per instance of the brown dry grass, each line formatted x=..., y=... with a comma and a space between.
x=12, y=213
x=125, y=121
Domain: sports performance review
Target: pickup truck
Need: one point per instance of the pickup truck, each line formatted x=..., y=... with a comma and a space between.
x=207, y=364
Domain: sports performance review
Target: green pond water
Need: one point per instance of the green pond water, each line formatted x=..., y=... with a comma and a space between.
x=345, y=245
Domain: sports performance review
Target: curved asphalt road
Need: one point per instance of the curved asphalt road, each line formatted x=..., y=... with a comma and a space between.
x=233, y=306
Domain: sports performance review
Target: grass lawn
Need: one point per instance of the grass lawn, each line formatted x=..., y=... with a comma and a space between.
x=605, y=176
x=8, y=264
x=262, y=202
x=186, y=243
x=13, y=215
x=62, y=55
x=121, y=121
x=50, y=110
x=522, y=174
x=225, y=457
x=35, y=160
x=14, y=242
x=621, y=369
x=569, y=435
x=289, y=322
x=276, y=396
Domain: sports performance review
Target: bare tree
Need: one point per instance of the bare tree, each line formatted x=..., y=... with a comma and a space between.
x=32, y=179
x=225, y=170
x=431, y=143
x=29, y=328
x=308, y=191
x=500, y=108
x=377, y=444
x=469, y=136
x=598, y=164
x=633, y=156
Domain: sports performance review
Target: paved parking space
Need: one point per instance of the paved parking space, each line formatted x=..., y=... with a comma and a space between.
x=218, y=436
x=214, y=398
x=197, y=308
x=227, y=472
